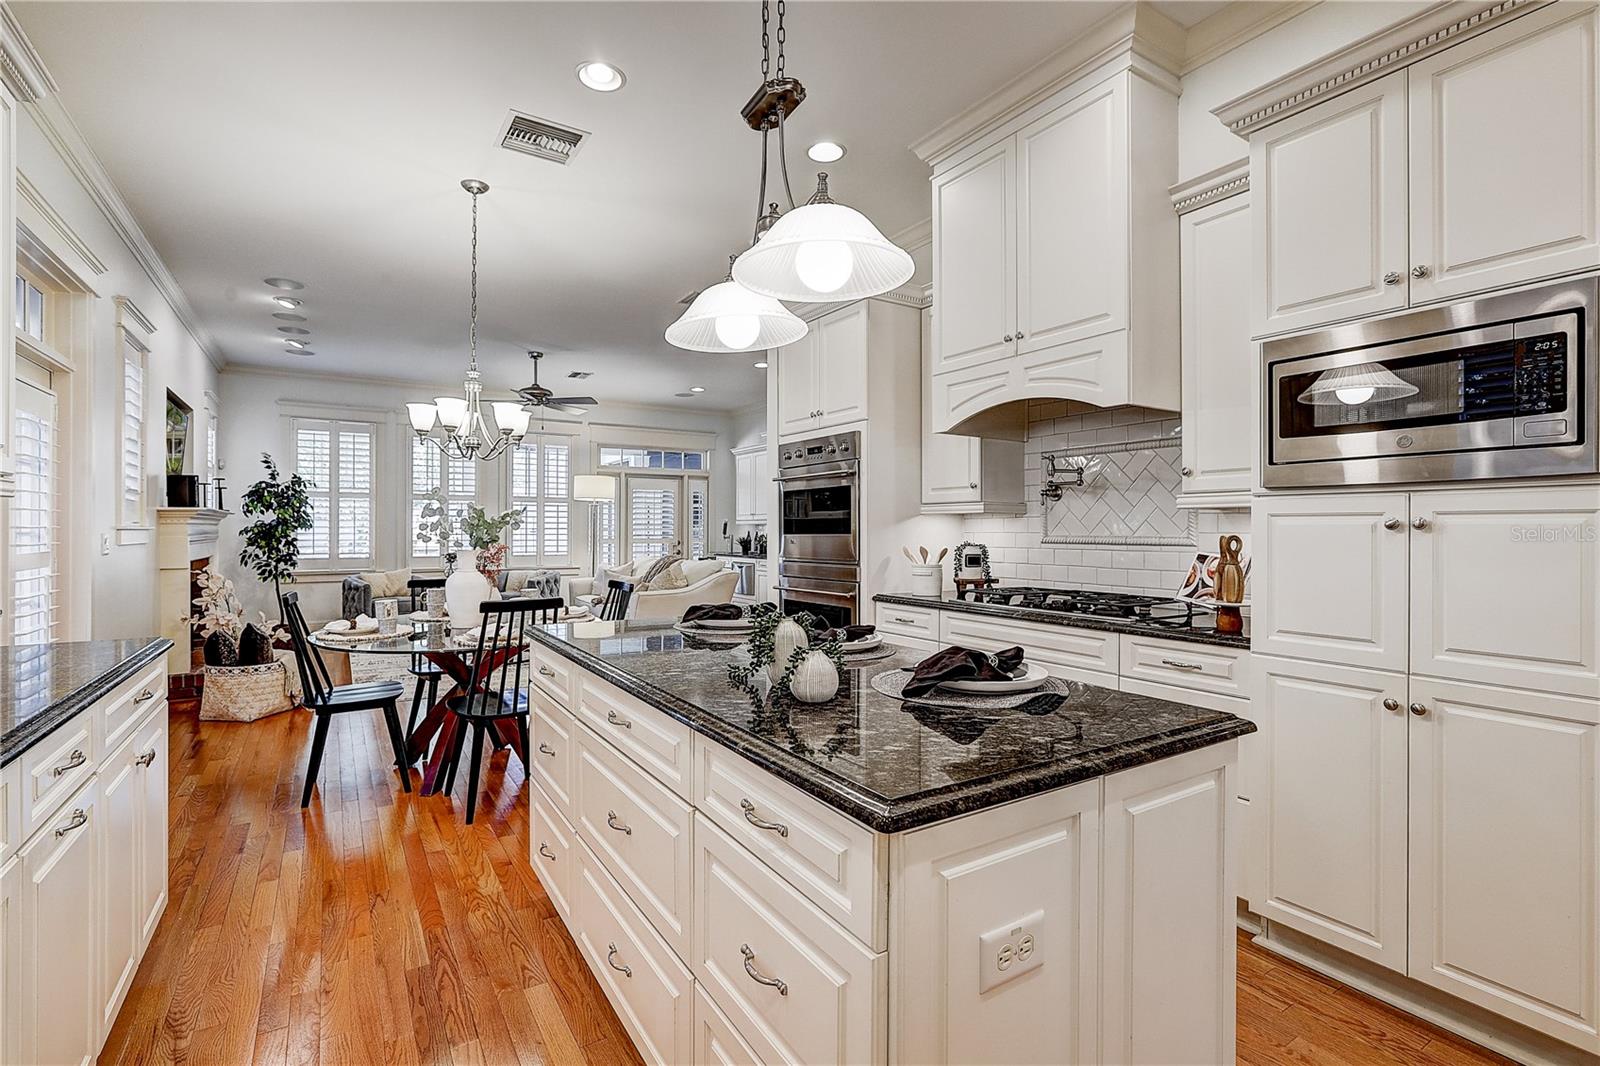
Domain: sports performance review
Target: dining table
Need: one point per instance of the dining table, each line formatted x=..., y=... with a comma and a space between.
x=454, y=652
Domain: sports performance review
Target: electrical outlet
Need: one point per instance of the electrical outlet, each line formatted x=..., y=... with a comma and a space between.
x=1007, y=953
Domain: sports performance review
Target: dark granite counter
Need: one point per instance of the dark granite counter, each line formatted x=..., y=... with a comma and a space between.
x=1202, y=631
x=892, y=765
x=42, y=686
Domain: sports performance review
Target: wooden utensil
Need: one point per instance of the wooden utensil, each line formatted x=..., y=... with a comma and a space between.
x=907, y=553
x=1230, y=584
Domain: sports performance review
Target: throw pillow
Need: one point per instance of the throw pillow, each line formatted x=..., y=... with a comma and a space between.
x=697, y=570
x=658, y=568
x=255, y=647
x=515, y=580
x=387, y=583
x=670, y=578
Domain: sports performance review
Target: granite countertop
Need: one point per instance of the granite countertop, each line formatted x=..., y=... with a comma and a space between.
x=1203, y=631
x=739, y=555
x=892, y=765
x=42, y=686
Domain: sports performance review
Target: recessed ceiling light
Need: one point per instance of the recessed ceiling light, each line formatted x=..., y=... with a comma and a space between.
x=825, y=152
x=697, y=388
x=294, y=331
x=300, y=351
x=296, y=344
x=286, y=301
x=288, y=316
x=284, y=283
x=760, y=366
x=601, y=77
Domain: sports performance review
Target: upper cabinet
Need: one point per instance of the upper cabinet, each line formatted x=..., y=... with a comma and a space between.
x=822, y=378
x=1055, y=253
x=751, y=482
x=966, y=475
x=1472, y=168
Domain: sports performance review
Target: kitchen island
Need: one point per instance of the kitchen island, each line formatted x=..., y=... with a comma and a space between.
x=867, y=880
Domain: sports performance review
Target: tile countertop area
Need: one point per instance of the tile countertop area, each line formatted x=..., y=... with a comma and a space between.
x=891, y=765
x=1203, y=631
x=44, y=685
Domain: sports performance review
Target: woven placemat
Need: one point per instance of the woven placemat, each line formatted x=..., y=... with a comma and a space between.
x=892, y=683
x=883, y=651
x=359, y=638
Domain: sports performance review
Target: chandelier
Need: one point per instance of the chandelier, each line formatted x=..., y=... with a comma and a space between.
x=465, y=433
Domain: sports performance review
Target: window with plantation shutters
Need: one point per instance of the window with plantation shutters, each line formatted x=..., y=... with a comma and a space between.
x=337, y=460
x=653, y=516
x=34, y=518
x=131, y=441
x=456, y=479
x=699, y=498
x=540, y=472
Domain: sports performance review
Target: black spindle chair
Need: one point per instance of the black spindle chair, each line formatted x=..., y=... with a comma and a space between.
x=615, y=606
x=325, y=699
x=426, y=671
x=496, y=691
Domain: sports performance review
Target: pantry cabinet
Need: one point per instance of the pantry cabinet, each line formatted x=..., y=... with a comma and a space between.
x=1472, y=169
x=61, y=867
x=752, y=482
x=822, y=378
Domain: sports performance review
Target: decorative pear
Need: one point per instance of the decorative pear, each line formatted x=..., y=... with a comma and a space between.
x=815, y=680
x=786, y=637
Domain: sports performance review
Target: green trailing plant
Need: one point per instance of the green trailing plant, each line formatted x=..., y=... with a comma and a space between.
x=272, y=543
x=746, y=675
x=484, y=530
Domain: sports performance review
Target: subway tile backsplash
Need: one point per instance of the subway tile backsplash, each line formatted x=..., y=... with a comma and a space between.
x=1016, y=549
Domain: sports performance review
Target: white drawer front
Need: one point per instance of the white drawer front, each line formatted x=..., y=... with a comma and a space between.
x=797, y=986
x=641, y=831
x=716, y=1041
x=1187, y=665
x=10, y=809
x=1077, y=654
x=660, y=744
x=554, y=674
x=833, y=860
x=550, y=845
x=899, y=620
x=555, y=751
x=54, y=769
x=651, y=990
x=122, y=711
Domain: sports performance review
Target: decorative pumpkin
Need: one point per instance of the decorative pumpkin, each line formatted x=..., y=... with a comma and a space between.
x=255, y=647
x=786, y=637
x=221, y=650
x=815, y=679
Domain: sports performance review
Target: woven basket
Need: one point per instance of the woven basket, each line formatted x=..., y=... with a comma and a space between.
x=247, y=693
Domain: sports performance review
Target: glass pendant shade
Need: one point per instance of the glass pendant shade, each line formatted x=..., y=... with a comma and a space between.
x=510, y=417
x=823, y=252
x=423, y=416
x=728, y=317
x=1351, y=386
x=452, y=410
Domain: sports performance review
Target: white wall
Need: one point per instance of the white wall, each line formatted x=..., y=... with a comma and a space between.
x=111, y=595
x=257, y=406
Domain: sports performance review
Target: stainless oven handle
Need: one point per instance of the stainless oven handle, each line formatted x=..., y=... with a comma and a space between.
x=843, y=599
x=841, y=471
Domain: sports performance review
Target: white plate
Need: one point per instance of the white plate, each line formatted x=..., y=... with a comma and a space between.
x=1032, y=677
x=723, y=623
x=571, y=614
x=424, y=616
x=351, y=630
x=864, y=644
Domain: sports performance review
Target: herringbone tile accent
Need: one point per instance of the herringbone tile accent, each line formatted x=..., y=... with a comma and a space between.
x=1129, y=497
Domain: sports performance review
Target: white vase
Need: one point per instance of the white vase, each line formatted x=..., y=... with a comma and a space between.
x=464, y=590
x=786, y=637
x=815, y=680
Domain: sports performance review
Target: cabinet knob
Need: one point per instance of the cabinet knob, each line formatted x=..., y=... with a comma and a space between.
x=1418, y=709
x=1186, y=471
x=1391, y=704
x=1392, y=278
x=972, y=484
x=1391, y=522
x=1419, y=271
x=1008, y=338
x=1019, y=334
x=1419, y=523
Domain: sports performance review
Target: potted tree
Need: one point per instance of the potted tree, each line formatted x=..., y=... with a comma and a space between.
x=271, y=543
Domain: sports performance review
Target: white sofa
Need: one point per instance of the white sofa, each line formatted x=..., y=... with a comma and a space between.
x=710, y=581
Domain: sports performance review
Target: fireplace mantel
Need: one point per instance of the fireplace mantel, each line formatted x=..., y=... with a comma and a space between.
x=184, y=535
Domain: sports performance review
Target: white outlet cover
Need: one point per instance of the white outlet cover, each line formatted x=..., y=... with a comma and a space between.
x=1006, y=953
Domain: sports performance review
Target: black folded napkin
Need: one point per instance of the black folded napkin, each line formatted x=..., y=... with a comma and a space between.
x=716, y=612
x=962, y=664
x=843, y=634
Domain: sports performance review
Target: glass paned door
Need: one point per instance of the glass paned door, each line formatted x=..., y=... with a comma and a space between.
x=654, y=524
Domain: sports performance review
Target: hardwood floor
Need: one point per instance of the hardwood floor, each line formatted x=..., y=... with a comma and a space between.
x=375, y=927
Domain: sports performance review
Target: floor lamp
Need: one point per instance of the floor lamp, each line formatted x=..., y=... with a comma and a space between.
x=594, y=489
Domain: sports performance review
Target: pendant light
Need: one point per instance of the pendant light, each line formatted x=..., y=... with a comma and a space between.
x=466, y=433
x=1352, y=386
x=728, y=317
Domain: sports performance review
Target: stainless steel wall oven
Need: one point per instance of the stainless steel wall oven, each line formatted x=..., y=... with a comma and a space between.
x=819, y=526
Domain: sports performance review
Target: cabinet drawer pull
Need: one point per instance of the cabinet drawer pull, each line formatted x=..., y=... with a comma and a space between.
x=546, y=671
x=903, y=620
x=611, y=958
x=611, y=716
x=760, y=823
x=544, y=849
x=144, y=697
x=547, y=749
x=1177, y=665
x=75, y=760
x=147, y=758
x=79, y=820
x=611, y=820
x=759, y=977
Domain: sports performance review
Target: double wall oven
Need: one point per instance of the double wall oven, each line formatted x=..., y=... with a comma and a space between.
x=1498, y=387
x=819, y=527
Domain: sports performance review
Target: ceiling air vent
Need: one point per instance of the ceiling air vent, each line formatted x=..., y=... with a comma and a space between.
x=580, y=374
x=541, y=137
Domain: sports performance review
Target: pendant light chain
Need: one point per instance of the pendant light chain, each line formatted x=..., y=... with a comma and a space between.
x=783, y=35
x=472, y=329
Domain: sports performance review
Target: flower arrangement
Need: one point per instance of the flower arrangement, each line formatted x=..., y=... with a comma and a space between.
x=480, y=530
x=220, y=618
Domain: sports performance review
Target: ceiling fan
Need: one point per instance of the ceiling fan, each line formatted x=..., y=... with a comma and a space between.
x=536, y=395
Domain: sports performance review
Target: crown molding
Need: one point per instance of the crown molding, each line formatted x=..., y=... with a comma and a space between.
x=68, y=142
x=1227, y=180
x=21, y=68
x=917, y=235
x=1153, y=44
x=907, y=295
x=34, y=198
x=128, y=311
x=1373, y=56
x=1235, y=25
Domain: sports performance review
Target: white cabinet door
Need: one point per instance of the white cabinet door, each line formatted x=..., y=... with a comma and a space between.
x=13, y=999
x=1330, y=578
x=1505, y=587
x=151, y=748
x=118, y=920
x=1503, y=853
x=797, y=385
x=1219, y=359
x=841, y=366
x=744, y=486
x=951, y=466
x=974, y=259
x=1329, y=206
x=1503, y=155
x=60, y=985
x=1072, y=210
x=760, y=485
x=1335, y=804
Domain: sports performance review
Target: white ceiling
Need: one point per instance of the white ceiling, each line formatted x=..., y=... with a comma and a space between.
x=325, y=142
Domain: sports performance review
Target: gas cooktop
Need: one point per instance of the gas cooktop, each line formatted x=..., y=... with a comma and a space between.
x=1148, y=610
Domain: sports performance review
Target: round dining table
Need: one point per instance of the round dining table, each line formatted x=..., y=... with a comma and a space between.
x=436, y=643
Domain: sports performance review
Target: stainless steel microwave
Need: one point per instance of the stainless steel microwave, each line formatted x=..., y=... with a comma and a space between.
x=1498, y=387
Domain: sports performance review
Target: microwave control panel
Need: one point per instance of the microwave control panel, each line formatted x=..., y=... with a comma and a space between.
x=1542, y=374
